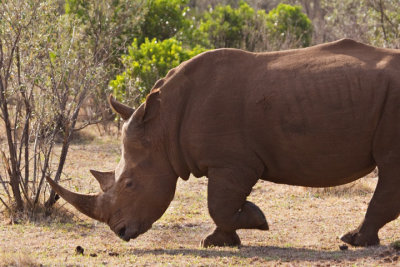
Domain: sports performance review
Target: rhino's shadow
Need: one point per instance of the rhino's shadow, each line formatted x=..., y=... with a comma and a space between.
x=273, y=253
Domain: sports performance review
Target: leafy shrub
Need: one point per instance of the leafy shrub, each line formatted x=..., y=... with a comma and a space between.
x=169, y=37
x=285, y=26
x=229, y=27
x=145, y=64
x=288, y=22
x=164, y=19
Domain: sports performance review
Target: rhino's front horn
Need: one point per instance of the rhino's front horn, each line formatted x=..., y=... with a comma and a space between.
x=105, y=179
x=87, y=204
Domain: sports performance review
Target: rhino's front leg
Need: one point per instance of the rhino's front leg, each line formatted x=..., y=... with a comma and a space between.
x=228, y=207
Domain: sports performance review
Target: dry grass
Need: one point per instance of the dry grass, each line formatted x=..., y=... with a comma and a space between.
x=17, y=259
x=304, y=226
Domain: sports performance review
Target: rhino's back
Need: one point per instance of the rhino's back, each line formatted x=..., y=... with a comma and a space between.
x=308, y=116
x=320, y=114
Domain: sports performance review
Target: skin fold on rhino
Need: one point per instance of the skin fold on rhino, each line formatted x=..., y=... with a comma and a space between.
x=320, y=116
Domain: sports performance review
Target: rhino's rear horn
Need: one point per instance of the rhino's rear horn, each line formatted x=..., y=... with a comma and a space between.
x=123, y=110
x=87, y=204
x=105, y=179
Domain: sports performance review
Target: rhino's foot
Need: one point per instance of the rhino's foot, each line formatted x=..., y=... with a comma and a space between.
x=355, y=238
x=220, y=238
x=254, y=216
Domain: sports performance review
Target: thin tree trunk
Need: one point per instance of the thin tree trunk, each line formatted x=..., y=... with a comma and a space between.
x=25, y=140
x=44, y=170
x=381, y=10
x=35, y=156
x=14, y=177
x=64, y=151
x=15, y=174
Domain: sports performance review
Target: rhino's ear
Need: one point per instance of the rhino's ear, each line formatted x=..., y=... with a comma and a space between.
x=123, y=110
x=151, y=107
x=105, y=179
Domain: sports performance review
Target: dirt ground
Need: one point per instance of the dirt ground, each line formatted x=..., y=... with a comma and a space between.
x=305, y=225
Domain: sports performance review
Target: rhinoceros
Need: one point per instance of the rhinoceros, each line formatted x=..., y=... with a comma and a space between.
x=318, y=117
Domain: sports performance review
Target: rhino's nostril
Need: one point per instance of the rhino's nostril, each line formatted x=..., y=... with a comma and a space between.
x=121, y=232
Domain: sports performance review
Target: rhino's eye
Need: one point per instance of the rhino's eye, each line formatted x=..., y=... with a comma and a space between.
x=129, y=185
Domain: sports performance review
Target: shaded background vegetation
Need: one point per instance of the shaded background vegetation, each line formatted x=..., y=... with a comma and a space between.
x=60, y=59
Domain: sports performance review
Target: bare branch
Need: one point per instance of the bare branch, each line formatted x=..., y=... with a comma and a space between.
x=3, y=183
x=45, y=167
x=13, y=48
x=88, y=123
x=5, y=205
x=25, y=193
x=382, y=20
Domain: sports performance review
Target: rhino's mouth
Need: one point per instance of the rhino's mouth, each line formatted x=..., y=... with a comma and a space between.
x=121, y=233
x=127, y=234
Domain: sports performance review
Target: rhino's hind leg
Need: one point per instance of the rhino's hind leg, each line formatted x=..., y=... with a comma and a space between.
x=228, y=207
x=383, y=208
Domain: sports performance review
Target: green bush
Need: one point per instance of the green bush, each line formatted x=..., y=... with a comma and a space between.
x=164, y=19
x=228, y=27
x=285, y=26
x=169, y=38
x=145, y=64
x=288, y=23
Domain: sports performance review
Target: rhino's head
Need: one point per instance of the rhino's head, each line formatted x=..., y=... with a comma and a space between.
x=142, y=186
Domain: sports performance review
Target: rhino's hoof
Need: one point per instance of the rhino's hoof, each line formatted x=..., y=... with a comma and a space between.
x=221, y=239
x=358, y=239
